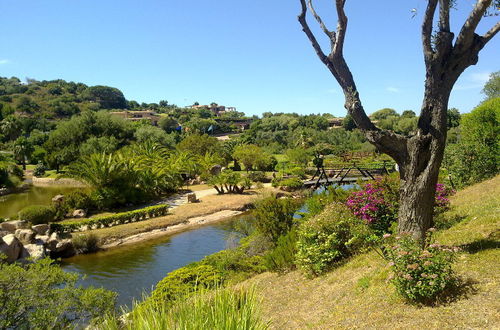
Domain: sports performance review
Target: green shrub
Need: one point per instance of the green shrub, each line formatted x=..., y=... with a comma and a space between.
x=282, y=257
x=258, y=176
x=317, y=202
x=291, y=184
x=41, y=295
x=79, y=199
x=37, y=214
x=232, y=262
x=185, y=281
x=328, y=238
x=420, y=273
x=274, y=217
x=39, y=170
x=86, y=243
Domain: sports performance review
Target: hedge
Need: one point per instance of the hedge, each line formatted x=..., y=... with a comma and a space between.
x=110, y=220
x=37, y=214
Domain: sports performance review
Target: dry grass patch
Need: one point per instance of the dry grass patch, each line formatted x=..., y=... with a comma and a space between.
x=357, y=296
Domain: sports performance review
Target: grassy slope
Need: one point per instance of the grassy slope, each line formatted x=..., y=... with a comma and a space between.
x=356, y=295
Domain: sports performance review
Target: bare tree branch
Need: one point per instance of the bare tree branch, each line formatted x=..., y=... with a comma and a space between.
x=444, y=15
x=427, y=30
x=341, y=28
x=385, y=141
x=330, y=34
x=309, y=34
x=491, y=33
x=466, y=35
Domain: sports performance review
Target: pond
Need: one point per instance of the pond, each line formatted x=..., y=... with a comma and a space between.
x=134, y=270
x=12, y=203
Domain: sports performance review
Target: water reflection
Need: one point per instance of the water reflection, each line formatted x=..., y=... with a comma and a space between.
x=134, y=270
x=12, y=203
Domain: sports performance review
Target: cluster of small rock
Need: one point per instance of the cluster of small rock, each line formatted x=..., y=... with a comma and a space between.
x=19, y=242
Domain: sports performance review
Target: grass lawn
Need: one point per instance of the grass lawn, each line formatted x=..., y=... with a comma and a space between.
x=357, y=294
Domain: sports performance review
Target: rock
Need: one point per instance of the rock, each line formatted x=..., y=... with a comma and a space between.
x=3, y=233
x=11, y=247
x=191, y=197
x=41, y=229
x=79, y=213
x=215, y=170
x=33, y=251
x=64, y=249
x=43, y=239
x=63, y=245
x=58, y=198
x=52, y=241
x=26, y=236
x=12, y=226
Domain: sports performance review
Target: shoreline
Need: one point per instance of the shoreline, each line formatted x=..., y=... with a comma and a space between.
x=189, y=224
x=211, y=208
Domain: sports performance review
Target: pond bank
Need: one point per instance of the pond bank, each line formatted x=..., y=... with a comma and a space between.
x=50, y=182
x=189, y=224
x=211, y=208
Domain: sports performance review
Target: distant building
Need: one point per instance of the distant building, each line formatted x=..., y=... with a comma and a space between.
x=335, y=122
x=138, y=116
x=216, y=109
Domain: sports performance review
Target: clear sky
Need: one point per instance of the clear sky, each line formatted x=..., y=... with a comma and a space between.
x=248, y=54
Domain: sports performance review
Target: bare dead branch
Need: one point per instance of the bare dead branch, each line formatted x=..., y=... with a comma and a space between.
x=466, y=36
x=427, y=29
x=491, y=33
x=330, y=34
x=309, y=34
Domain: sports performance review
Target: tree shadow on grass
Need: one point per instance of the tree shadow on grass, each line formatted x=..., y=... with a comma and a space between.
x=492, y=241
x=481, y=245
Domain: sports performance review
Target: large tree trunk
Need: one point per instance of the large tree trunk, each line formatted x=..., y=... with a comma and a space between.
x=419, y=170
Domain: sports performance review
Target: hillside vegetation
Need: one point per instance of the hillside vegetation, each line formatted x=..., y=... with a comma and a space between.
x=358, y=295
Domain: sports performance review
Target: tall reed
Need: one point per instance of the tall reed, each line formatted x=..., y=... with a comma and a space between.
x=228, y=309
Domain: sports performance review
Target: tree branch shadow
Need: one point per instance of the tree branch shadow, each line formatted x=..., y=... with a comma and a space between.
x=492, y=241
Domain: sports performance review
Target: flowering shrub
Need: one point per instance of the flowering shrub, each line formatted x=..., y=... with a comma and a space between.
x=442, y=201
x=420, y=273
x=376, y=203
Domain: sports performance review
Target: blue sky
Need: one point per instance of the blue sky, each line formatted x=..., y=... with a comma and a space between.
x=248, y=54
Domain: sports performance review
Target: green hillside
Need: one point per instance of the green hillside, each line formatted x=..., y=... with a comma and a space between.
x=358, y=295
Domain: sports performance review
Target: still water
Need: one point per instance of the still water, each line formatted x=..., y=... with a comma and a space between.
x=12, y=203
x=133, y=270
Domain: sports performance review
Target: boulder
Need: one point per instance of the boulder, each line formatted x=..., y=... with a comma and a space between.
x=26, y=236
x=191, y=197
x=52, y=241
x=12, y=226
x=11, y=247
x=3, y=233
x=33, y=251
x=42, y=239
x=58, y=199
x=64, y=249
x=79, y=213
x=41, y=229
x=215, y=170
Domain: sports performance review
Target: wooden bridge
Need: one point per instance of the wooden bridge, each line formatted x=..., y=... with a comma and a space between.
x=348, y=173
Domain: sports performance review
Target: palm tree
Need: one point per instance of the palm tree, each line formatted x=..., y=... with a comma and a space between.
x=22, y=150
